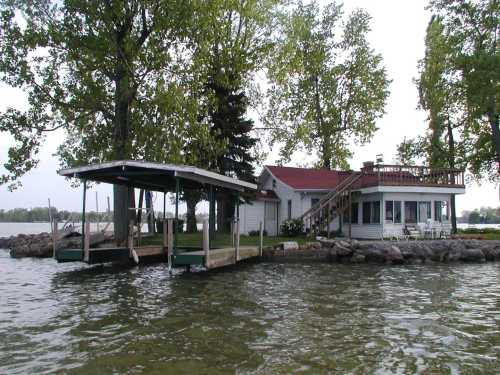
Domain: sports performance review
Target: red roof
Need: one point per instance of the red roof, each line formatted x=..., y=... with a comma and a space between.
x=308, y=178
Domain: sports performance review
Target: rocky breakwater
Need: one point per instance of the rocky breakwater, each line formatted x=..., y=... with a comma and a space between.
x=41, y=245
x=386, y=252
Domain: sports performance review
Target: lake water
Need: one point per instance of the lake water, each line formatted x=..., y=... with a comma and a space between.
x=259, y=318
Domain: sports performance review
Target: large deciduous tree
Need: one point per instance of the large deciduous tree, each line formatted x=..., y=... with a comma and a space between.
x=472, y=31
x=114, y=75
x=327, y=85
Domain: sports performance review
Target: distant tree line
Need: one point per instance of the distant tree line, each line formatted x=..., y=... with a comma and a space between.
x=41, y=214
x=483, y=215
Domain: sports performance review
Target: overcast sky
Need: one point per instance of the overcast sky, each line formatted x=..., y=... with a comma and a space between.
x=398, y=31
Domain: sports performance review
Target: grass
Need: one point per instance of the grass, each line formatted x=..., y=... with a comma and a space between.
x=221, y=240
x=483, y=234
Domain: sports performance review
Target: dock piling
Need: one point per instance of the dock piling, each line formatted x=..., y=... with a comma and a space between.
x=206, y=243
x=86, y=242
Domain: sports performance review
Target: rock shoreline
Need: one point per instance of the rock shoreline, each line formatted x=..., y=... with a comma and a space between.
x=387, y=252
x=41, y=245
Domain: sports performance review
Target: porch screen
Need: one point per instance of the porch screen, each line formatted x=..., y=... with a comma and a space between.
x=441, y=211
x=411, y=212
x=424, y=211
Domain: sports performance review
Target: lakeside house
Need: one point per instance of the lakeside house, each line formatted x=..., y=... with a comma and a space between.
x=376, y=201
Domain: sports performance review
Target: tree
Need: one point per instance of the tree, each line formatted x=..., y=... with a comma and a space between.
x=234, y=46
x=327, y=85
x=472, y=33
x=114, y=75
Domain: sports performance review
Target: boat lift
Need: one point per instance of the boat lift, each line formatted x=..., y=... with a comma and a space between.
x=162, y=178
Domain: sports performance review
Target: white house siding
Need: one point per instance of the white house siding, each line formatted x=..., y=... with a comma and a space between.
x=284, y=192
x=250, y=216
x=365, y=231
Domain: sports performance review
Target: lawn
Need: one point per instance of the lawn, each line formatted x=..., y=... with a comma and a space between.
x=476, y=233
x=221, y=240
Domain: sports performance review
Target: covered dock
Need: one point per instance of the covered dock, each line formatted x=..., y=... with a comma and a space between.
x=164, y=178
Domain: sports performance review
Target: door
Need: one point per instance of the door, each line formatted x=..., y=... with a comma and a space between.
x=271, y=218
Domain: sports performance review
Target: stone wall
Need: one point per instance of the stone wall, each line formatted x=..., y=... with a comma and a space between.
x=387, y=252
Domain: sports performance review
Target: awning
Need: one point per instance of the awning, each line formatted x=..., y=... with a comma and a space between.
x=154, y=176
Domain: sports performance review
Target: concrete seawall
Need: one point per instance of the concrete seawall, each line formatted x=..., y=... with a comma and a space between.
x=387, y=252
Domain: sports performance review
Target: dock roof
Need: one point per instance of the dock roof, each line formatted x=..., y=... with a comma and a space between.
x=154, y=176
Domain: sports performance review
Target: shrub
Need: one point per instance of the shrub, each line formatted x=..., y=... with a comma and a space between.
x=292, y=228
x=255, y=233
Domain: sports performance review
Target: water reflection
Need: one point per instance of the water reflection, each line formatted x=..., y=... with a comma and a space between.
x=258, y=318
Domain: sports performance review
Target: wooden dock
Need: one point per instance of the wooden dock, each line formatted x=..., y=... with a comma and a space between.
x=209, y=258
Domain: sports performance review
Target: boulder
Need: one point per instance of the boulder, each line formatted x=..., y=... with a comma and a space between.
x=358, y=257
x=491, y=253
x=312, y=246
x=343, y=251
x=374, y=255
x=289, y=245
x=472, y=255
x=393, y=255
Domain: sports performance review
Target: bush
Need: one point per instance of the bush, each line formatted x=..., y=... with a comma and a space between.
x=292, y=228
x=255, y=233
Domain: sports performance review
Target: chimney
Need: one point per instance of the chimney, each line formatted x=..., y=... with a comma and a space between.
x=368, y=166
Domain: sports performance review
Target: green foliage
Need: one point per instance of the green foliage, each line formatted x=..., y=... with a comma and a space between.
x=483, y=215
x=469, y=35
x=292, y=228
x=327, y=85
x=41, y=214
x=118, y=77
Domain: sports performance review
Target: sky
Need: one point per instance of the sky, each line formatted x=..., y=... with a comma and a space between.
x=398, y=32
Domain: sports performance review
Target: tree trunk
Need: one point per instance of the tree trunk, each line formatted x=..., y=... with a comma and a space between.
x=495, y=132
x=191, y=202
x=150, y=212
x=225, y=213
x=451, y=163
x=122, y=98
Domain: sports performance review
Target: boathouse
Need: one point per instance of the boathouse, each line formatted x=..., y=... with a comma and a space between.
x=164, y=178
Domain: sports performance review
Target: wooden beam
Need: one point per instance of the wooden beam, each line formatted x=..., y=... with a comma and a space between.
x=86, y=243
x=206, y=243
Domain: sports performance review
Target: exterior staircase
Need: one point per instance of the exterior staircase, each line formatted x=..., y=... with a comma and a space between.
x=332, y=205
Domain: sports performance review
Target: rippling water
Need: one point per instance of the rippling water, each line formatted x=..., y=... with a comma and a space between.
x=265, y=318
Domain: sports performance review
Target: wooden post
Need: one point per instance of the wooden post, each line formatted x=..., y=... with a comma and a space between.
x=350, y=213
x=165, y=237
x=97, y=210
x=130, y=237
x=261, y=238
x=206, y=243
x=232, y=233
x=83, y=210
x=86, y=242
x=170, y=241
x=50, y=217
x=177, y=188
x=237, y=240
x=54, y=239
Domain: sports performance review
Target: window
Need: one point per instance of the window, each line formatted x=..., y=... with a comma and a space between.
x=366, y=212
x=375, y=212
x=389, y=211
x=393, y=211
x=274, y=183
x=354, y=212
x=397, y=212
x=424, y=211
x=411, y=212
x=371, y=212
x=314, y=201
x=441, y=211
x=289, y=209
